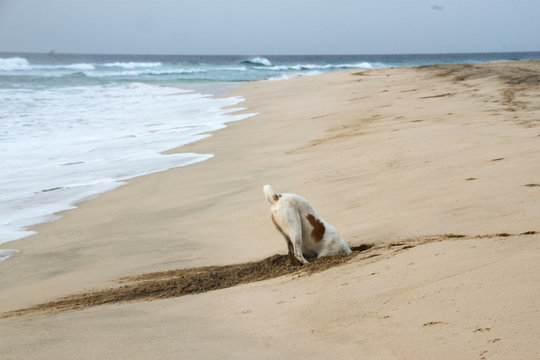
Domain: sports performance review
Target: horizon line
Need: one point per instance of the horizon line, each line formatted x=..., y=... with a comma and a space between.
x=53, y=53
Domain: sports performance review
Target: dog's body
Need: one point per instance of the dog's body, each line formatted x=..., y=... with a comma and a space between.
x=305, y=231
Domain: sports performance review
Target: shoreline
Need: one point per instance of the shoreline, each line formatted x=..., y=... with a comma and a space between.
x=383, y=154
x=69, y=202
x=215, y=90
x=199, y=147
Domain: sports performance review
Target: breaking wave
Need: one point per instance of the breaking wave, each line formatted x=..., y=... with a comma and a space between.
x=299, y=67
x=133, y=65
x=81, y=66
x=257, y=61
x=17, y=63
x=132, y=73
x=31, y=71
x=14, y=63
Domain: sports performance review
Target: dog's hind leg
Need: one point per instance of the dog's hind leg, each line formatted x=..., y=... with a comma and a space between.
x=291, y=248
x=289, y=243
x=288, y=222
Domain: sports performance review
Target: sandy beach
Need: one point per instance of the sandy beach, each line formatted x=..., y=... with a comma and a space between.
x=432, y=173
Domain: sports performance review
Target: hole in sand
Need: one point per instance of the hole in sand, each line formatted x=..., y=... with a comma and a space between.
x=174, y=283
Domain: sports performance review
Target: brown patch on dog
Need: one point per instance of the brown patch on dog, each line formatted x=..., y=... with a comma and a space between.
x=318, y=228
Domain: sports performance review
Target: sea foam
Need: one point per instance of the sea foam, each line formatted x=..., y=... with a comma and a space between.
x=14, y=63
x=322, y=67
x=63, y=145
x=133, y=64
x=142, y=72
x=80, y=66
x=17, y=63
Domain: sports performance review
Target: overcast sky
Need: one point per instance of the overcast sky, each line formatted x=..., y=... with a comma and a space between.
x=265, y=27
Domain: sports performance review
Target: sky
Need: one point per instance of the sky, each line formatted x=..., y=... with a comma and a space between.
x=256, y=27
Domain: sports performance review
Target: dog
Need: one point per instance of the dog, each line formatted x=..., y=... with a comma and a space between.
x=304, y=230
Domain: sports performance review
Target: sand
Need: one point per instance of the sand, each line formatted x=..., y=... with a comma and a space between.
x=403, y=159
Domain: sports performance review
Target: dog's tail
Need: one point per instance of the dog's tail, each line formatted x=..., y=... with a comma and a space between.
x=270, y=194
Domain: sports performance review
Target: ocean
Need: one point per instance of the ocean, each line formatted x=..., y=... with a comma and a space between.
x=75, y=126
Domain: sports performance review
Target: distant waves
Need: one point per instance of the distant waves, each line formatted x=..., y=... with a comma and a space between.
x=61, y=71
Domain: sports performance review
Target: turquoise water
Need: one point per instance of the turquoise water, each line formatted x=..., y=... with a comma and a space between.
x=46, y=70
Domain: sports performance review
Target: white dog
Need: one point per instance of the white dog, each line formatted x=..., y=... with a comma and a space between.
x=304, y=230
